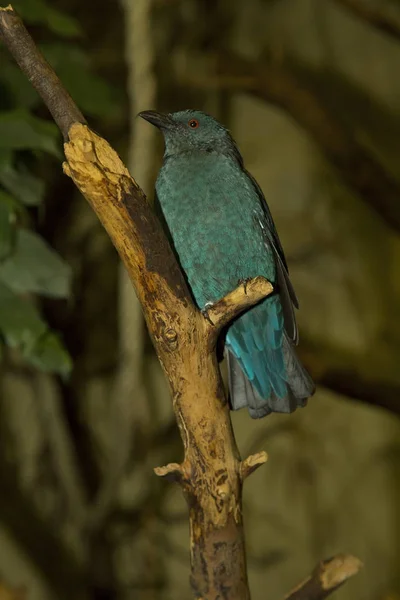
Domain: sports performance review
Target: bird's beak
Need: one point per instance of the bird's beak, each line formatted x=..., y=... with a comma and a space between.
x=158, y=119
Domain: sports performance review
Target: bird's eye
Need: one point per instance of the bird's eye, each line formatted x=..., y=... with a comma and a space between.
x=193, y=123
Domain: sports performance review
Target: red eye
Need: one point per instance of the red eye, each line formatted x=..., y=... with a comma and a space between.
x=193, y=123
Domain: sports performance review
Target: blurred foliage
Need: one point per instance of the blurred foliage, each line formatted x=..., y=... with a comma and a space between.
x=29, y=267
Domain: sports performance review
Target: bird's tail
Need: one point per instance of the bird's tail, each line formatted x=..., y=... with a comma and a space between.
x=265, y=373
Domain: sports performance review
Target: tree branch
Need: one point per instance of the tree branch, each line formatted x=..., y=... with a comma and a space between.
x=181, y=336
x=210, y=474
x=244, y=296
x=40, y=74
x=375, y=16
x=327, y=577
x=251, y=463
x=285, y=87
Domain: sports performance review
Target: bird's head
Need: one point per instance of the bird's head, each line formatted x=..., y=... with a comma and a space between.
x=191, y=131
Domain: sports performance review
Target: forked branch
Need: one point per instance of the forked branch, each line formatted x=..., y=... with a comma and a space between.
x=211, y=473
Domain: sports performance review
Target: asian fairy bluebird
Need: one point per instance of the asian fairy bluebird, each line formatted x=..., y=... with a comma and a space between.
x=222, y=232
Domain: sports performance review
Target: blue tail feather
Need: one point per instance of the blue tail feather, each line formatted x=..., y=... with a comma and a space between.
x=256, y=341
x=276, y=379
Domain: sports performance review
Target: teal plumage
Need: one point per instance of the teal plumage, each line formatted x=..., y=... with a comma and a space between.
x=223, y=233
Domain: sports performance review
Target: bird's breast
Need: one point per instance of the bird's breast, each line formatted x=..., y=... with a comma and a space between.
x=211, y=211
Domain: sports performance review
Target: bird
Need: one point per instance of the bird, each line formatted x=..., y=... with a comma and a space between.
x=222, y=232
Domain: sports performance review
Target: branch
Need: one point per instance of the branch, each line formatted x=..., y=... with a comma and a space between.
x=210, y=472
x=40, y=74
x=172, y=472
x=387, y=23
x=246, y=295
x=327, y=577
x=251, y=463
x=283, y=86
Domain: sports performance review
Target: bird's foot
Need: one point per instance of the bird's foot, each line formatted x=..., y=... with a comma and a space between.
x=204, y=311
x=244, y=283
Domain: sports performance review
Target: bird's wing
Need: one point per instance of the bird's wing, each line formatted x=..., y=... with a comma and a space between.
x=273, y=234
x=286, y=290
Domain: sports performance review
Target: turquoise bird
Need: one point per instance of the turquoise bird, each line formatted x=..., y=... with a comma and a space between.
x=223, y=233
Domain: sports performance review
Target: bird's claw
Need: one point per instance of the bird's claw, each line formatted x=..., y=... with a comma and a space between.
x=204, y=311
x=244, y=283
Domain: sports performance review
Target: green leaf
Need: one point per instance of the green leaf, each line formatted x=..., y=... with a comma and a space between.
x=22, y=327
x=92, y=93
x=10, y=202
x=9, y=208
x=34, y=267
x=19, y=130
x=6, y=157
x=20, y=323
x=22, y=184
x=40, y=12
x=50, y=355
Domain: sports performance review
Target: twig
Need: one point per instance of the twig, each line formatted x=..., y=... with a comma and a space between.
x=251, y=463
x=40, y=74
x=386, y=22
x=326, y=578
x=210, y=472
x=222, y=312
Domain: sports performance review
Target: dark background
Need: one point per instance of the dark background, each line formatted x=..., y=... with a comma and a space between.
x=310, y=90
